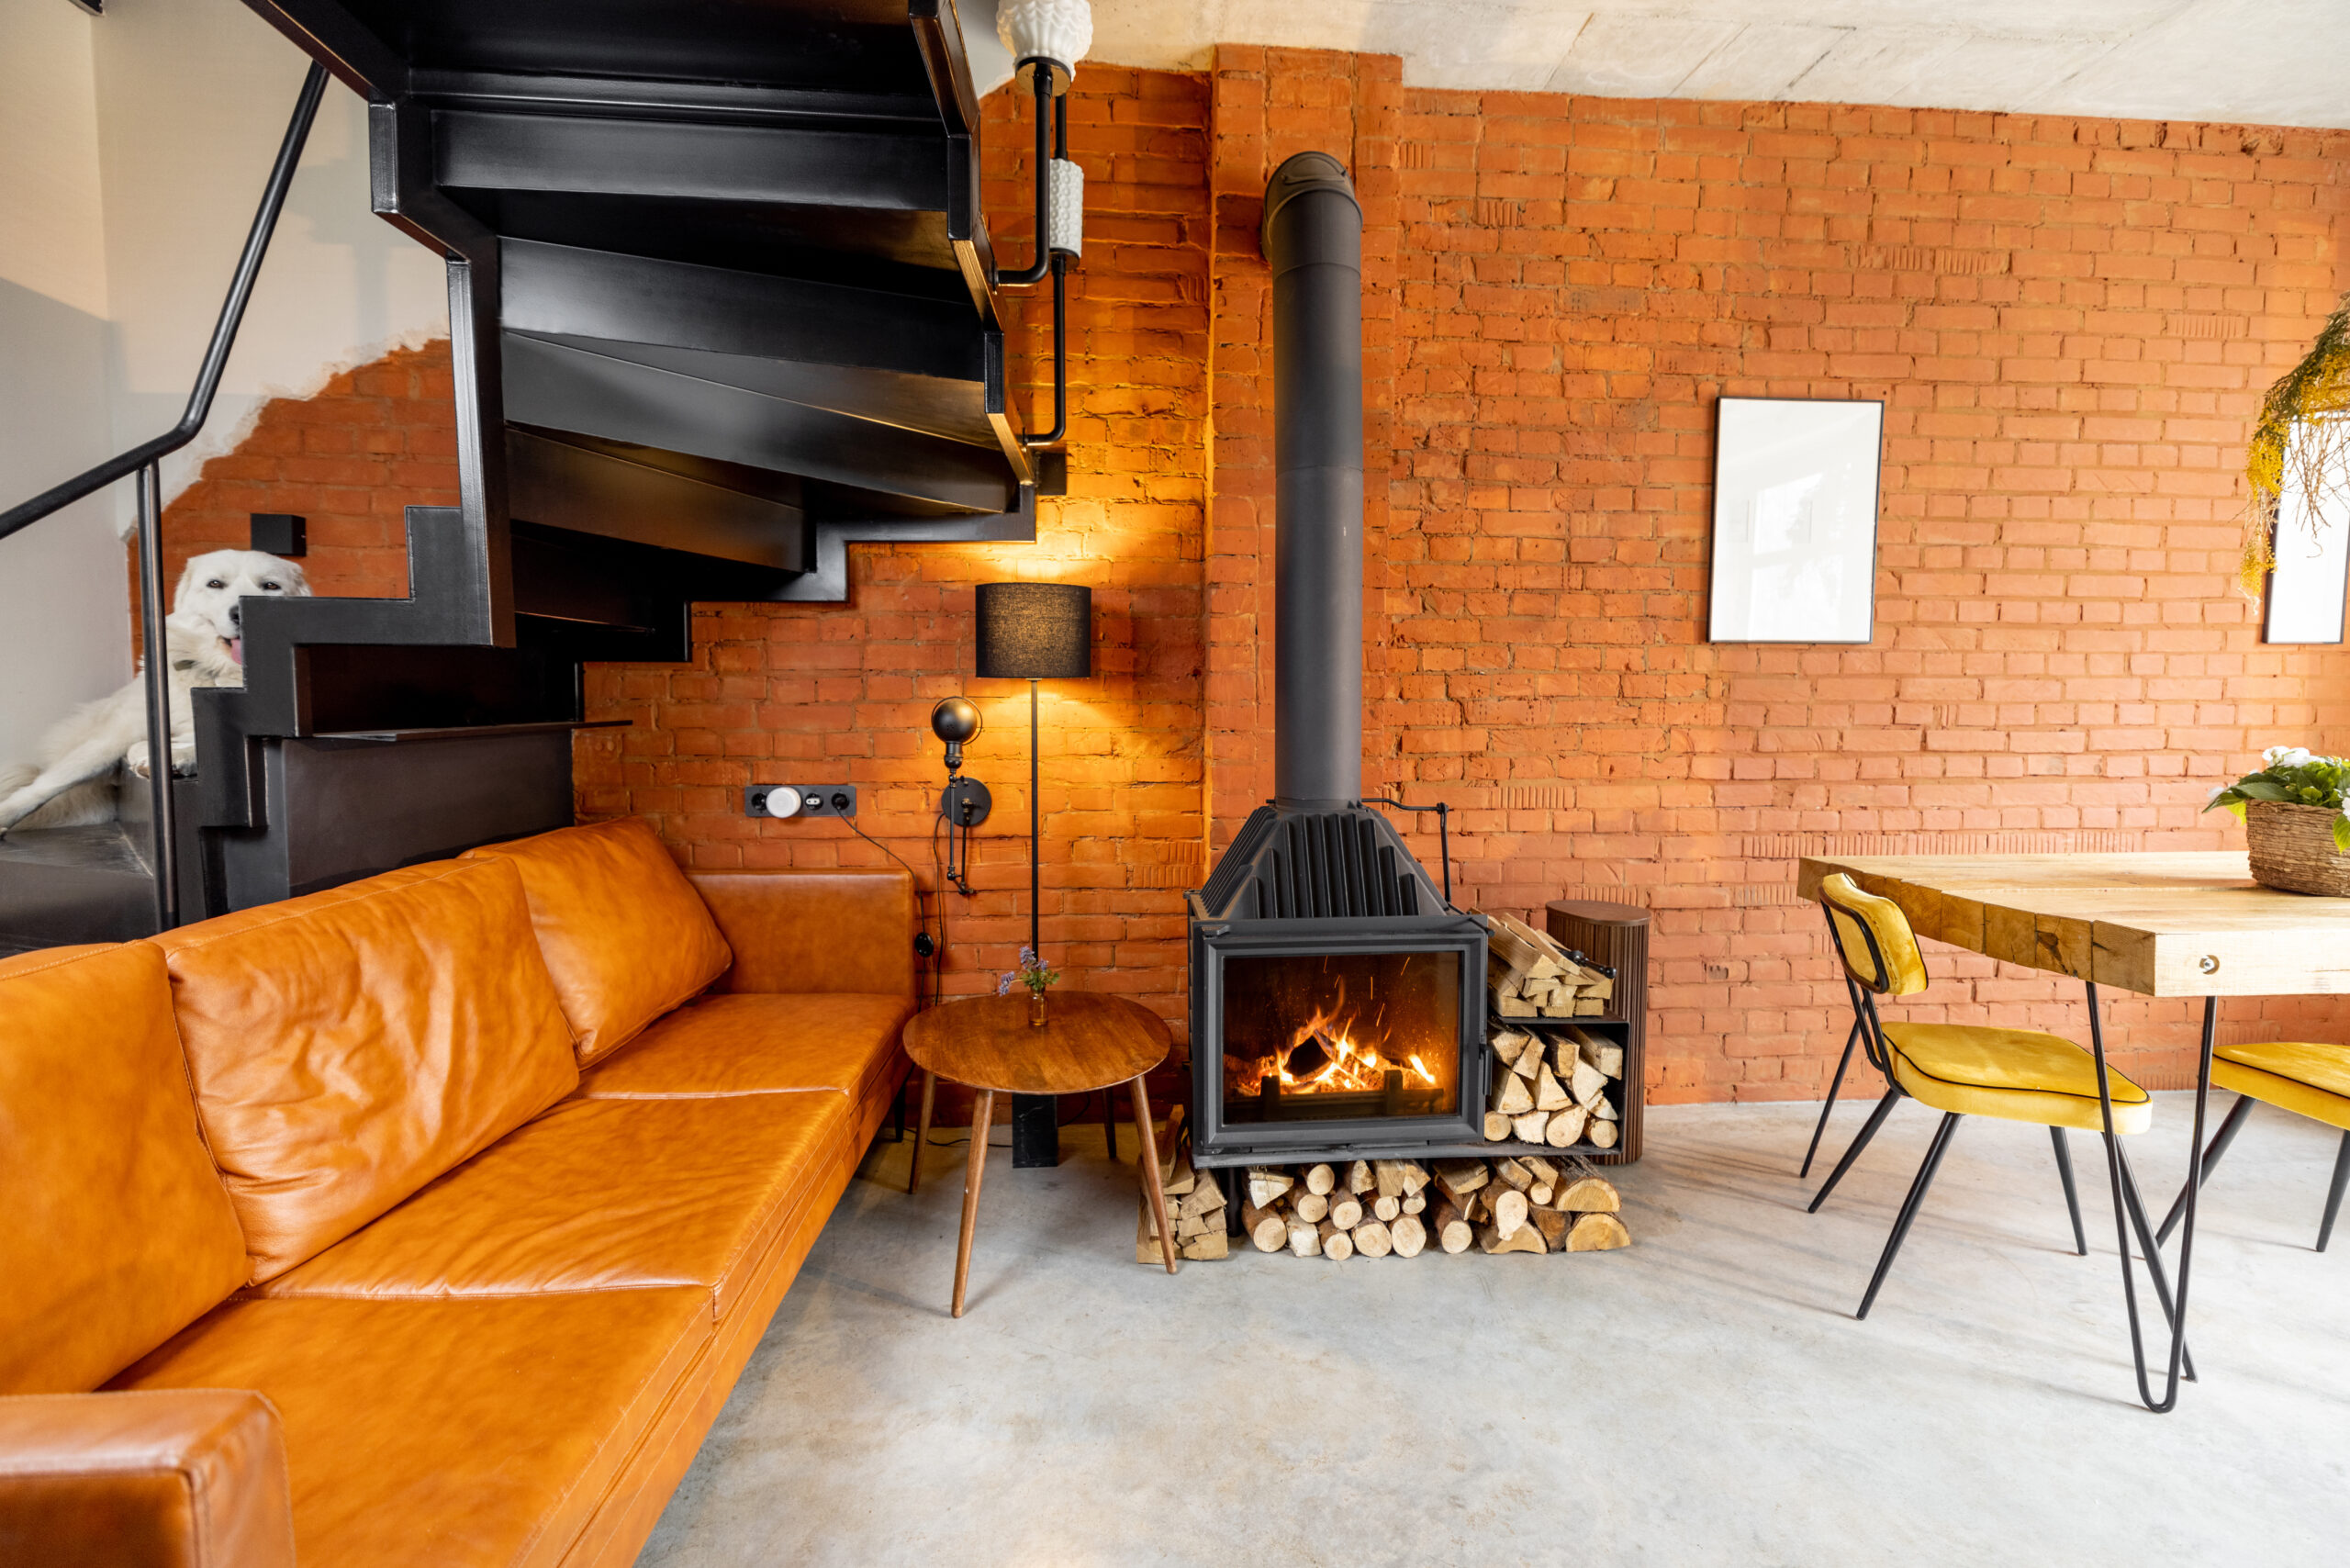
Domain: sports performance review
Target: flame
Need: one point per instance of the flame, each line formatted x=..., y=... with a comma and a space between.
x=1353, y=1066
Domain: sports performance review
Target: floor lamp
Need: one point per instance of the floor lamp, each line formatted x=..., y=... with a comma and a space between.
x=1034, y=632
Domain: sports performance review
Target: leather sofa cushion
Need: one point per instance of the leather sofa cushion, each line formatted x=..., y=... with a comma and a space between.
x=757, y=1043
x=176, y=1478
x=455, y=1433
x=114, y=1230
x=802, y=930
x=349, y=1045
x=600, y=1195
x=624, y=934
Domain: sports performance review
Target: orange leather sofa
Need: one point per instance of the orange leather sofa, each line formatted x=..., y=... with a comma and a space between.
x=427, y=1220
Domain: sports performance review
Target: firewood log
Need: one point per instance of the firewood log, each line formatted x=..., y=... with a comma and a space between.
x=1415, y=1202
x=1450, y=1226
x=1496, y=1127
x=1547, y=1095
x=1267, y=1231
x=1590, y=1194
x=1478, y=1207
x=1605, y=1109
x=1320, y=1179
x=1590, y=1007
x=1409, y=1236
x=1515, y=1007
x=1175, y=1174
x=1384, y=1208
x=1147, y=1237
x=1416, y=1176
x=1541, y=1193
x=1460, y=1178
x=1204, y=1198
x=1601, y=1134
x=1267, y=1183
x=1208, y=1246
x=1511, y=943
x=1177, y=1179
x=1611, y=1060
x=1507, y=1043
x=1545, y=1172
x=1566, y=1127
x=1305, y=1238
x=1511, y=1095
x=1492, y=1238
x=1509, y=1207
x=1372, y=1239
x=1513, y=1173
x=1345, y=1212
x=1388, y=1176
x=1588, y=1084
x=1525, y=1066
x=1336, y=1243
x=1311, y=1208
x=1554, y=1226
x=1598, y=1233
x=1358, y=1178
x=1531, y=1127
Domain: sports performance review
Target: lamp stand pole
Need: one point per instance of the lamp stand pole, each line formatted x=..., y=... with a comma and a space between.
x=1036, y=1123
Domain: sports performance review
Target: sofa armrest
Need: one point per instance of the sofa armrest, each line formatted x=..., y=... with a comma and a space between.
x=814, y=931
x=192, y=1478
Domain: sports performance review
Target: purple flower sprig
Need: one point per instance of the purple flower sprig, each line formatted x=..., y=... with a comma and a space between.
x=1032, y=973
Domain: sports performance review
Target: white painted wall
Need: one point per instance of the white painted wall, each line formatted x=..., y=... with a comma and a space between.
x=192, y=98
x=64, y=623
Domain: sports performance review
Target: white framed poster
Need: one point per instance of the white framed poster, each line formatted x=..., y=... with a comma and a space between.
x=1795, y=520
x=2304, y=601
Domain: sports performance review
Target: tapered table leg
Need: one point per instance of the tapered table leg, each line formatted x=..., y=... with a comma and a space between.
x=921, y=1133
x=1152, y=1184
x=982, y=1110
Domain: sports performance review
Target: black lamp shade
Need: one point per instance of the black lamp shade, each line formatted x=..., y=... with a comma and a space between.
x=1035, y=630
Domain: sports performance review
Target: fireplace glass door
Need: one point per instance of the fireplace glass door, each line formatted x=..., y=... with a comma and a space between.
x=1324, y=1036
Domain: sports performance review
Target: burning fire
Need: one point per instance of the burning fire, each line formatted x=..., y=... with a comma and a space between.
x=1323, y=1057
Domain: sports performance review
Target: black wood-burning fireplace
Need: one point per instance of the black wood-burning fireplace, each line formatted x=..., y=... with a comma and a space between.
x=1338, y=999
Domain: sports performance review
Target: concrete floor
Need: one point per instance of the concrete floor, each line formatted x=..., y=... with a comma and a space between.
x=1705, y=1397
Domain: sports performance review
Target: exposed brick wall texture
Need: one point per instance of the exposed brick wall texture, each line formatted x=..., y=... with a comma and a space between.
x=2069, y=322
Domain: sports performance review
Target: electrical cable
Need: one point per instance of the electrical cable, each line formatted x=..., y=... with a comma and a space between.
x=938, y=955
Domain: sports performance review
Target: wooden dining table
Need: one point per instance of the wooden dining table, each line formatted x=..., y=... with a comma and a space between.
x=2182, y=923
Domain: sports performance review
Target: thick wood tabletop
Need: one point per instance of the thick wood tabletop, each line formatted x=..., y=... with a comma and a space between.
x=2186, y=923
x=1089, y=1041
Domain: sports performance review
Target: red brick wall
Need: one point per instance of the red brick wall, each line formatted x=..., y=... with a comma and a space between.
x=2070, y=322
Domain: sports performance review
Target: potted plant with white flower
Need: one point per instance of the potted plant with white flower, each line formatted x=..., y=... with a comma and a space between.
x=2296, y=820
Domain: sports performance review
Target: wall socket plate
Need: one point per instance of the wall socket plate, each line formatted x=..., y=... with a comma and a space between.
x=803, y=800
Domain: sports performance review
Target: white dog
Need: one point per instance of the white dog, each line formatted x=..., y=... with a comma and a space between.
x=71, y=783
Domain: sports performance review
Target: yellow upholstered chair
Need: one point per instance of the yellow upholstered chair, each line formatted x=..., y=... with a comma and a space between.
x=2017, y=1075
x=2312, y=1081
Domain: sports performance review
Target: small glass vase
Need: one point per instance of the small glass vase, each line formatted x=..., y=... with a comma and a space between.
x=1037, y=1008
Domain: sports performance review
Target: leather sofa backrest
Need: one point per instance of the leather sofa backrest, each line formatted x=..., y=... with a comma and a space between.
x=624, y=933
x=815, y=930
x=348, y=1047
x=114, y=1233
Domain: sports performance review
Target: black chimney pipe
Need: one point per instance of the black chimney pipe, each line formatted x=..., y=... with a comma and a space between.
x=1313, y=237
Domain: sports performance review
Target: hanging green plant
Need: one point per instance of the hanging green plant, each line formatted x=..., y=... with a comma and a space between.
x=2303, y=437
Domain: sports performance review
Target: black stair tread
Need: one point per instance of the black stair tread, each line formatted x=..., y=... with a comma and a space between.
x=853, y=46
x=65, y=885
x=468, y=732
x=927, y=405
x=98, y=847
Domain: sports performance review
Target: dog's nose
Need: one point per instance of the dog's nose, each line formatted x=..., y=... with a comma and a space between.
x=237, y=616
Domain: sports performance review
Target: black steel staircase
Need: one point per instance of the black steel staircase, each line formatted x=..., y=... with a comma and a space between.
x=720, y=304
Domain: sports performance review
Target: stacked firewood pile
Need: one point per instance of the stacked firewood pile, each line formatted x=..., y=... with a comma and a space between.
x=1195, y=1204
x=1552, y=1089
x=1532, y=976
x=1382, y=1206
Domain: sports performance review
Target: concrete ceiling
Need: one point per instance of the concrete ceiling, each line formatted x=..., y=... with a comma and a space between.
x=2263, y=61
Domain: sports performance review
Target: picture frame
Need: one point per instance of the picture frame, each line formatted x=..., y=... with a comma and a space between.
x=2304, y=601
x=1796, y=494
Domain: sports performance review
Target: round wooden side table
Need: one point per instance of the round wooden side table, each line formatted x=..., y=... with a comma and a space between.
x=1088, y=1041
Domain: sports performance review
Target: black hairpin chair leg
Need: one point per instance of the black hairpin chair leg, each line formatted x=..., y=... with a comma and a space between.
x=2072, y=1193
x=1909, y=1207
x=2126, y=1208
x=1868, y=1131
x=1834, y=1084
x=2230, y=1126
x=2333, y=1193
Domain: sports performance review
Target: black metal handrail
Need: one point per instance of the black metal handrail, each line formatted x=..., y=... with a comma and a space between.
x=142, y=460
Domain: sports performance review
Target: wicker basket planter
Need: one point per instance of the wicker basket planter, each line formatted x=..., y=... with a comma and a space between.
x=2292, y=848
